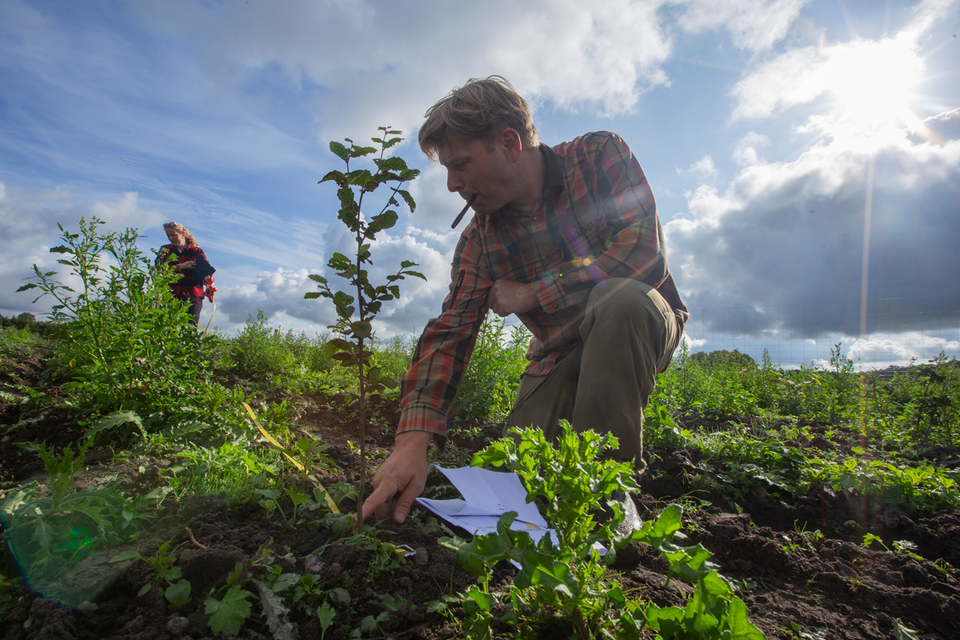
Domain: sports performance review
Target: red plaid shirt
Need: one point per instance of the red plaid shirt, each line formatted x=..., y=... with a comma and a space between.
x=186, y=285
x=596, y=219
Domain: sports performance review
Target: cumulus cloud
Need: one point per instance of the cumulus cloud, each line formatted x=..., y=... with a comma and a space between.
x=279, y=293
x=29, y=219
x=746, y=150
x=865, y=78
x=793, y=232
x=364, y=55
x=753, y=24
x=702, y=169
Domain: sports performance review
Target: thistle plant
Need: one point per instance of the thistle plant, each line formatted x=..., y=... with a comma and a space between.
x=356, y=310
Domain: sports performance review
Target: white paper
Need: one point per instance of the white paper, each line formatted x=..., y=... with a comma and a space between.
x=488, y=495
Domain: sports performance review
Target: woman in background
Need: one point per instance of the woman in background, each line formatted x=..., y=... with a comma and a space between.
x=191, y=263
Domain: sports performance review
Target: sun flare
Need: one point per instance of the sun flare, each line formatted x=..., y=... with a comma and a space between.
x=872, y=83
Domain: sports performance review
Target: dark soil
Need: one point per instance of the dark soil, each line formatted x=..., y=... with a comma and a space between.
x=796, y=584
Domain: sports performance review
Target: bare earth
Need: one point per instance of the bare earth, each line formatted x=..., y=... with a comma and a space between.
x=795, y=585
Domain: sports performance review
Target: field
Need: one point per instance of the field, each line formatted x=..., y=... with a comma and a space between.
x=825, y=498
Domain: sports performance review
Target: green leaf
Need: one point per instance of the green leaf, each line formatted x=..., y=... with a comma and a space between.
x=408, y=199
x=388, y=219
x=361, y=328
x=326, y=613
x=178, y=594
x=130, y=554
x=340, y=150
x=741, y=628
x=272, y=605
x=116, y=419
x=227, y=615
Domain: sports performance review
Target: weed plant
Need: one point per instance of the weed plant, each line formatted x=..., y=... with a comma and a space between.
x=490, y=382
x=894, y=418
x=562, y=585
x=125, y=342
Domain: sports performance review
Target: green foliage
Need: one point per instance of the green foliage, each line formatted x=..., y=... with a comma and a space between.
x=235, y=468
x=490, y=382
x=571, y=477
x=356, y=312
x=49, y=526
x=11, y=591
x=232, y=609
x=127, y=344
x=564, y=583
x=166, y=577
x=229, y=613
x=921, y=488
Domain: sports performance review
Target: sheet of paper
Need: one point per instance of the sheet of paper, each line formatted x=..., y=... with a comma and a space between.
x=488, y=495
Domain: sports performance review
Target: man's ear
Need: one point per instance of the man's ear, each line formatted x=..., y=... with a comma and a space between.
x=511, y=143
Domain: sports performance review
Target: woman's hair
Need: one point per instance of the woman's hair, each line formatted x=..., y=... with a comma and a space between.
x=479, y=110
x=191, y=242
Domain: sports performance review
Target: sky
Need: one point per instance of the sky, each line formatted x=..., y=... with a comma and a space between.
x=804, y=154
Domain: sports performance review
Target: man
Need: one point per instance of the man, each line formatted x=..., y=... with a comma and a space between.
x=568, y=239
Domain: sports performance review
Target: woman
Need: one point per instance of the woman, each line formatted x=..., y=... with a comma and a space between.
x=190, y=262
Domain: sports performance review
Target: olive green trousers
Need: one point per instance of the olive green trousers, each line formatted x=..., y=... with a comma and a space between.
x=603, y=384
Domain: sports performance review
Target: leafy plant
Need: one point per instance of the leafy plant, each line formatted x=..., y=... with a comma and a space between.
x=356, y=312
x=571, y=477
x=490, y=382
x=177, y=590
x=65, y=524
x=565, y=580
x=233, y=608
x=128, y=345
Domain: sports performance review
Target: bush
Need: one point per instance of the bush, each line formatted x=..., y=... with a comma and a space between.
x=128, y=345
x=490, y=383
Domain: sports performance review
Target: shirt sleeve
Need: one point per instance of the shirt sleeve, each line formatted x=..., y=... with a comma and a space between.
x=629, y=242
x=444, y=349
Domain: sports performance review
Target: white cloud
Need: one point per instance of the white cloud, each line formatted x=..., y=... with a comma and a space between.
x=704, y=169
x=745, y=153
x=279, y=293
x=792, y=232
x=900, y=349
x=388, y=61
x=29, y=219
x=753, y=24
x=869, y=82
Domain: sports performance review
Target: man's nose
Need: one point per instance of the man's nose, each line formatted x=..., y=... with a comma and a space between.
x=454, y=182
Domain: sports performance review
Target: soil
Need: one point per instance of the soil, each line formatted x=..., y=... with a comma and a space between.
x=796, y=583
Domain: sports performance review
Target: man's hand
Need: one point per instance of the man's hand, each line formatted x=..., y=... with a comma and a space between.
x=400, y=478
x=508, y=297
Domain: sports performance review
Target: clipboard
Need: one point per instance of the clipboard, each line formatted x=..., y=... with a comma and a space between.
x=201, y=270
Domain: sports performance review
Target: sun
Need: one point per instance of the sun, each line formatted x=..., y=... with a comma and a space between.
x=872, y=82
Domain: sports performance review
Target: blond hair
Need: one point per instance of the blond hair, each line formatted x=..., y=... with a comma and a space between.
x=479, y=110
x=187, y=236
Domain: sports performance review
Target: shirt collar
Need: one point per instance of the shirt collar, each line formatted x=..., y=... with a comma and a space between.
x=553, y=171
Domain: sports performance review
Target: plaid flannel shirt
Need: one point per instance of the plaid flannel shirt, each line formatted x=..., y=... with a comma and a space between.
x=596, y=219
x=186, y=285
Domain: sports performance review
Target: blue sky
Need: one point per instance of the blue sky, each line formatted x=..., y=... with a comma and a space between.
x=774, y=134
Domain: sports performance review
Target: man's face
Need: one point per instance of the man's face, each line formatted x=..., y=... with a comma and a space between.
x=475, y=168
